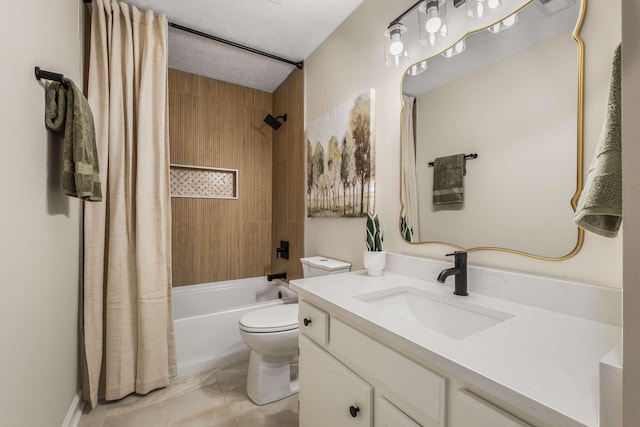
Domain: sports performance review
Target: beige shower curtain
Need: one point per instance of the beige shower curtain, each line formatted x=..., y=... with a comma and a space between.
x=128, y=343
x=409, y=183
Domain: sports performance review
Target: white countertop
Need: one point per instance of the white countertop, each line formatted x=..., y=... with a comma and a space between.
x=542, y=362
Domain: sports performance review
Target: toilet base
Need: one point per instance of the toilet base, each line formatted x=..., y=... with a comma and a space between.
x=269, y=378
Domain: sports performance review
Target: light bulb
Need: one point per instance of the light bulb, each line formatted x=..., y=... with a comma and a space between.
x=433, y=21
x=509, y=21
x=416, y=69
x=480, y=9
x=432, y=39
x=396, y=46
x=454, y=50
x=493, y=4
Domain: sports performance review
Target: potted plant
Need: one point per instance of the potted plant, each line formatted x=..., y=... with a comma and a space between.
x=374, y=256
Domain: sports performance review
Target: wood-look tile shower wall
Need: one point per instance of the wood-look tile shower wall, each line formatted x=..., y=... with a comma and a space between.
x=288, y=175
x=218, y=124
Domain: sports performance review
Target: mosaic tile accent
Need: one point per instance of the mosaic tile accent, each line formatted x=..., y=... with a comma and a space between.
x=208, y=183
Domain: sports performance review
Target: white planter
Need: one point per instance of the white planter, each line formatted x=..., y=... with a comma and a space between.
x=374, y=262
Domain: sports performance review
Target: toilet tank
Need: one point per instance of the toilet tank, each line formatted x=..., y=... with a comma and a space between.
x=320, y=266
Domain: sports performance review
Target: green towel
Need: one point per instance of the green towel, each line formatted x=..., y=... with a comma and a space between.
x=448, y=184
x=600, y=204
x=67, y=112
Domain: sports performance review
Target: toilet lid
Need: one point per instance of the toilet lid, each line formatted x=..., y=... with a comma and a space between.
x=283, y=317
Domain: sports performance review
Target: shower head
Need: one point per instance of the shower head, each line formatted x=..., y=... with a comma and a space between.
x=274, y=122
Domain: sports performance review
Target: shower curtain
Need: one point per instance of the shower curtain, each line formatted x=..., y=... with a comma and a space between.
x=127, y=331
x=409, y=183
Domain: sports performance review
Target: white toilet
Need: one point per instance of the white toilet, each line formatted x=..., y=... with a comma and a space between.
x=272, y=335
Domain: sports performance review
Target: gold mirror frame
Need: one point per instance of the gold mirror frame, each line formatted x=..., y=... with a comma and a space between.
x=579, y=148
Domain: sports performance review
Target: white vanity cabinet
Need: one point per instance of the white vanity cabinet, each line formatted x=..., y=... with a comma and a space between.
x=477, y=412
x=313, y=322
x=349, y=379
x=330, y=393
x=342, y=369
x=387, y=415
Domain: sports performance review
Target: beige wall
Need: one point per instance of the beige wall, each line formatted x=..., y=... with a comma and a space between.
x=39, y=226
x=631, y=201
x=352, y=60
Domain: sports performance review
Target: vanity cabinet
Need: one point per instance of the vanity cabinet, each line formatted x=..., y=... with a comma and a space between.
x=387, y=415
x=333, y=395
x=314, y=323
x=477, y=412
x=341, y=370
x=349, y=379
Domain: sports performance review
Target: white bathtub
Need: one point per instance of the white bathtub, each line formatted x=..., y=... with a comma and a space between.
x=206, y=320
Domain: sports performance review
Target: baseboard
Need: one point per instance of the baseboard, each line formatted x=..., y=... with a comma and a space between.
x=72, y=419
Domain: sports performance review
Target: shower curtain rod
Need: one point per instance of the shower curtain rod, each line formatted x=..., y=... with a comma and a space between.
x=297, y=64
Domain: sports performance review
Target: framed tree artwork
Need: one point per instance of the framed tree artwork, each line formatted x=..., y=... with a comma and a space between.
x=341, y=160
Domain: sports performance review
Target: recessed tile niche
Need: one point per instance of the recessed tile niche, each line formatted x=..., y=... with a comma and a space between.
x=203, y=183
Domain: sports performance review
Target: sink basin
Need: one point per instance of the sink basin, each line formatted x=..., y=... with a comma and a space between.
x=445, y=314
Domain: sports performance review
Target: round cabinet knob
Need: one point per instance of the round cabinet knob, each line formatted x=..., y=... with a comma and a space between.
x=353, y=410
x=307, y=322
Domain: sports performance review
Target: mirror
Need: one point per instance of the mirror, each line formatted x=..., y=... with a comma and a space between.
x=514, y=98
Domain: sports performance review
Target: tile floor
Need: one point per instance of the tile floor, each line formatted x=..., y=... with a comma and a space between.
x=215, y=399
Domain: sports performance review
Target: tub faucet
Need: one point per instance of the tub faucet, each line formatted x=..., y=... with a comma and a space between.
x=282, y=275
x=459, y=270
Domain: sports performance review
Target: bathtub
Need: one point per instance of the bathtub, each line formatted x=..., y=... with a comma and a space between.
x=206, y=320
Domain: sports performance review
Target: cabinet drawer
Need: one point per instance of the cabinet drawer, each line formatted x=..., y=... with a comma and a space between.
x=473, y=411
x=313, y=322
x=331, y=395
x=387, y=415
x=421, y=388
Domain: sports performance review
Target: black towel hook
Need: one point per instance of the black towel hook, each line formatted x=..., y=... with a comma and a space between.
x=48, y=75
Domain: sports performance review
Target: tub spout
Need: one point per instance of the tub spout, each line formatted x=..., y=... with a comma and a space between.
x=282, y=275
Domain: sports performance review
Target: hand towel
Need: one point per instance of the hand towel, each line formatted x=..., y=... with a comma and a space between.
x=448, y=186
x=67, y=112
x=600, y=205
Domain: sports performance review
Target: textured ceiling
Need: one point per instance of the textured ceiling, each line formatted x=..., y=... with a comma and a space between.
x=292, y=29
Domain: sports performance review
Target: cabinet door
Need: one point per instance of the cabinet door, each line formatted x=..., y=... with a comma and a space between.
x=330, y=393
x=387, y=415
x=477, y=412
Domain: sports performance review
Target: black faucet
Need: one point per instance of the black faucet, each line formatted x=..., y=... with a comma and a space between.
x=459, y=270
x=273, y=276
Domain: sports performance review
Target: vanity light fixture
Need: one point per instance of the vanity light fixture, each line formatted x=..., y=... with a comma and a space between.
x=479, y=8
x=432, y=21
x=508, y=22
x=418, y=68
x=432, y=24
x=455, y=49
x=396, y=45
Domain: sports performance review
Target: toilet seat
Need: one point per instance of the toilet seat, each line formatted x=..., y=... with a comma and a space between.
x=279, y=318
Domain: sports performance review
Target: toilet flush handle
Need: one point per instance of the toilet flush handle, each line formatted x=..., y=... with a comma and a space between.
x=306, y=322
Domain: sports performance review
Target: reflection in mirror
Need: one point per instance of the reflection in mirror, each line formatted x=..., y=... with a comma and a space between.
x=510, y=94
